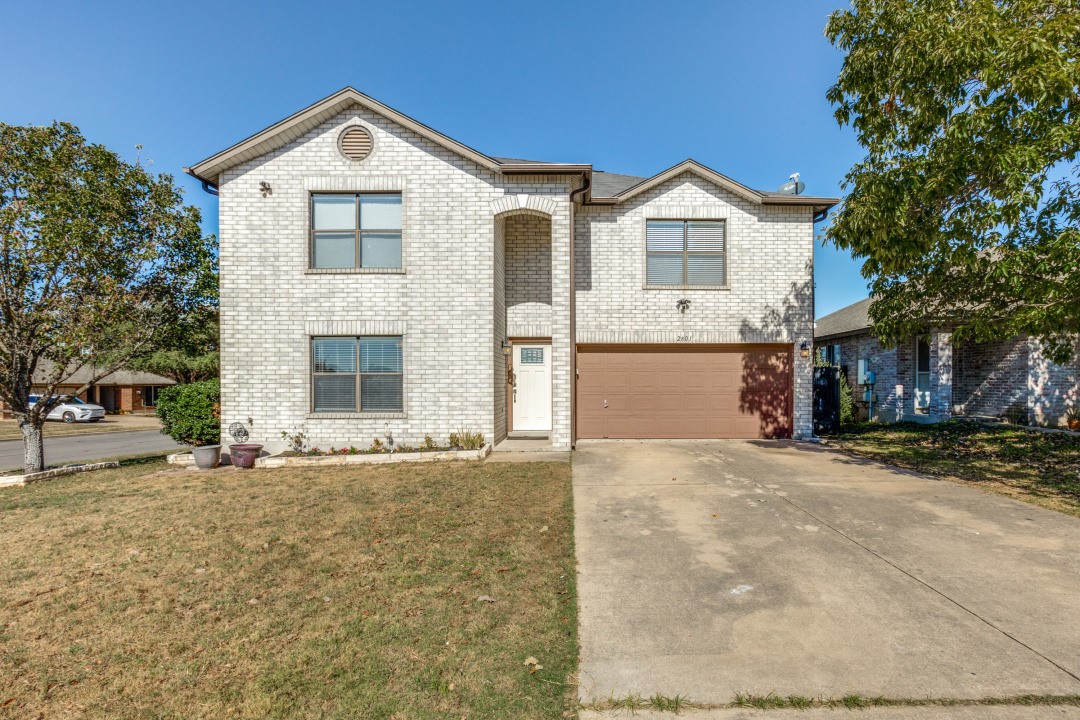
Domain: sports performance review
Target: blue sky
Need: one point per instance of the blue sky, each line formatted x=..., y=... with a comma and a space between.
x=629, y=86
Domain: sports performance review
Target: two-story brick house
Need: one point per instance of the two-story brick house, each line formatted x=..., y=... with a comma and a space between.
x=378, y=276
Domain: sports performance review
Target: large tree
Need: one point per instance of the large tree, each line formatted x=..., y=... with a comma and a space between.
x=188, y=352
x=966, y=208
x=91, y=247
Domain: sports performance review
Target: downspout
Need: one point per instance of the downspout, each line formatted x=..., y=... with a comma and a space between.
x=585, y=185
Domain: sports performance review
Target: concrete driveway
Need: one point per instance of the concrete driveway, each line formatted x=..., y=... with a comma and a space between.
x=712, y=568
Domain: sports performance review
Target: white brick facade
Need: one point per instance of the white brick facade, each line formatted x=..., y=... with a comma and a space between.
x=485, y=256
x=770, y=277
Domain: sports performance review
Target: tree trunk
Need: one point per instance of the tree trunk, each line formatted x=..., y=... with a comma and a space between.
x=33, y=447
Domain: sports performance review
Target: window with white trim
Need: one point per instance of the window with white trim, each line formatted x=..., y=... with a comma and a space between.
x=355, y=230
x=356, y=374
x=685, y=253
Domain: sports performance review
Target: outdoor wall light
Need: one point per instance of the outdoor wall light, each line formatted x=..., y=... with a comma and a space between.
x=804, y=350
x=506, y=346
x=265, y=189
x=682, y=305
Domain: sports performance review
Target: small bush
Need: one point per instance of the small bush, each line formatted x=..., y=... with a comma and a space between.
x=847, y=401
x=466, y=440
x=191, y=414
x=297, y=439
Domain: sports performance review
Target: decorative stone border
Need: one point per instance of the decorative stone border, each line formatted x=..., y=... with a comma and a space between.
x=182, y=459
x=19, y=480
x=276, y=461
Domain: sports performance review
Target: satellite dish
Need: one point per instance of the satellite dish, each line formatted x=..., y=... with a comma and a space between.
x=793, y=186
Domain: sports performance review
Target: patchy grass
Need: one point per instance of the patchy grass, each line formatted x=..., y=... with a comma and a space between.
x=633, y=703
x=338, y=592
x=9, y=429
x=1037, y=467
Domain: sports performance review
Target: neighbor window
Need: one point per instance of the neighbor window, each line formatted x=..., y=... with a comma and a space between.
x=682, y=253
x=356, y=230
x=922, y=375
x=829, y=354
x=150, y=395
x=356, y=374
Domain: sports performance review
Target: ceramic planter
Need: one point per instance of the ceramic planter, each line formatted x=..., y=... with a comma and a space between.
x=243, y=454
x=207, y=457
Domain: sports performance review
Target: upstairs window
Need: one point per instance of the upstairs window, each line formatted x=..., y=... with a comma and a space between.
x=356, y=230
x=685, y=253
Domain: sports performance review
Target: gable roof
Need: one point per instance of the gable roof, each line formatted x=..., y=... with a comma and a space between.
x=854, y=318
x=281, y=133
x=604, y=187
x=758, y=197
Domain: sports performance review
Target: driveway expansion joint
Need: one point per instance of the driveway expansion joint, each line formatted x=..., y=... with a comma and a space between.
x=747, y=476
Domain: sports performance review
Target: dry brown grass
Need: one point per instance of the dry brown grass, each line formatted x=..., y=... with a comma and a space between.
x=301, y=593
x=1036, y=467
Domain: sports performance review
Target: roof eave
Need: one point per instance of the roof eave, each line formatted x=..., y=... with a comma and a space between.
x=208, y=170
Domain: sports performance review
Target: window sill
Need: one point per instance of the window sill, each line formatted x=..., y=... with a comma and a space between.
x=354, y=271
x=356, y=415
x=686, y=287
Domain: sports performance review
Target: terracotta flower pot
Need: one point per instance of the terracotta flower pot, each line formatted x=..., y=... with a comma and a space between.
x=207, y=457
x=243, y=454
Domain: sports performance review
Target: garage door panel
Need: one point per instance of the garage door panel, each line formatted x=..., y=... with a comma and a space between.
x=684, y=392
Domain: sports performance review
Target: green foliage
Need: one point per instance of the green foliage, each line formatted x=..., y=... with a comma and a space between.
x=191, y=414
x=187, y=351
x=965, y=209
x=99, y=255
x=466, y=440
x=847, y=401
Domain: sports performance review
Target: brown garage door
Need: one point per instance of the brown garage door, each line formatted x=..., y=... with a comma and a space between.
x=661, y=391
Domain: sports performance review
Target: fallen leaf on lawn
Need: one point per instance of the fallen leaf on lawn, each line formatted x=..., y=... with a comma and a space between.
x=531, y=660
x=477, y=571
x=544, y=529
x=485, y=598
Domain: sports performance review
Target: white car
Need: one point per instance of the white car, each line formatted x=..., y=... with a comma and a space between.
x=72, y=409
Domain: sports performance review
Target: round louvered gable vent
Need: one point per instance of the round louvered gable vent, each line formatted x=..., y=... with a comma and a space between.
x=356, y=143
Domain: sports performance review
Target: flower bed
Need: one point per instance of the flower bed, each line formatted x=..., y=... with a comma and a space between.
x=289, y=459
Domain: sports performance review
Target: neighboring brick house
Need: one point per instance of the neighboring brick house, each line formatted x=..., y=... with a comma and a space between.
x=124, y=391
x=379, y=277
x=931, y=379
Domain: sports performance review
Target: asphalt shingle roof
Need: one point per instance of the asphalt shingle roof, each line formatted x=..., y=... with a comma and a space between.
x=851, y=319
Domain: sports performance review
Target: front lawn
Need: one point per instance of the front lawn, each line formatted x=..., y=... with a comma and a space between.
x=339, y=592
x=1040, y=468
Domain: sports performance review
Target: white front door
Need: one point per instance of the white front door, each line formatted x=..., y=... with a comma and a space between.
x=532, y=388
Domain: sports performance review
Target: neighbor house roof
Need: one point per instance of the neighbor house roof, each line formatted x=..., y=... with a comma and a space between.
x=605, y=188
x=120, y=377
x=854, y=318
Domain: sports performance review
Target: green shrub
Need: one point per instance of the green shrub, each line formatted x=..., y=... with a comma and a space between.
x=191, y=414
x=847, y=401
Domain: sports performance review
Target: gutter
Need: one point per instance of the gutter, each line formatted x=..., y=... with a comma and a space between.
x=208, y=187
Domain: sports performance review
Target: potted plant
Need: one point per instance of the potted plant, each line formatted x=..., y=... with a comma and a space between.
x=1072, y=417
x=191, y=415
x=242, y=453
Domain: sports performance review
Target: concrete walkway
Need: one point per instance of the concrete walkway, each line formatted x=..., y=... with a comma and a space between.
x=713, y=568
